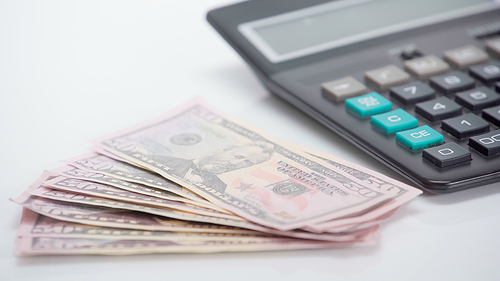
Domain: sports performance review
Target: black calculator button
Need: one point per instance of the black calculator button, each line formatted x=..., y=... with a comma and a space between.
x=413, y=93
x=438, y=109
x=492, y=115
x=497, y=87
x=410, y=54
x=479, y=98
x=488, y=144
x=452, y=82
x=465, y=126
x=446, y=155
x=487, y=72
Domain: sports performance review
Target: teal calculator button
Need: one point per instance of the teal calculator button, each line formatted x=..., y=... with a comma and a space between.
x=420, y=137
x=369, y=104
x=394, y=121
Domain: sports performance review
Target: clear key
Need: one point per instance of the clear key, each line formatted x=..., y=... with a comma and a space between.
x=418, y=138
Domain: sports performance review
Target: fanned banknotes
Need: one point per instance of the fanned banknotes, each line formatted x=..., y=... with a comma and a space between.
x=198, y=181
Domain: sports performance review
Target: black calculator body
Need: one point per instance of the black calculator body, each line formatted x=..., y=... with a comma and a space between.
x=339, y=61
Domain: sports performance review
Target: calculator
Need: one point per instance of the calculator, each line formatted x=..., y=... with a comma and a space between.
x=415, y=84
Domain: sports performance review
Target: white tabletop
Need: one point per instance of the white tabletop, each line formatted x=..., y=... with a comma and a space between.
x=75, y=70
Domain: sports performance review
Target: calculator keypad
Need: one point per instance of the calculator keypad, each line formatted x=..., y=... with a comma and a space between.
x=449, y=85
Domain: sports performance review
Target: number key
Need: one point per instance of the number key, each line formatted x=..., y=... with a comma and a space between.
x=487, y=144
x=487, y=72
x=479, y=98
x=446, y=155
x=438, y=109
x=452, y=82
x=413, y=93
x=492, y=115
x=465, y=126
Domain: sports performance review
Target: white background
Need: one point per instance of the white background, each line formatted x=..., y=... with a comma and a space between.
x=75, y=70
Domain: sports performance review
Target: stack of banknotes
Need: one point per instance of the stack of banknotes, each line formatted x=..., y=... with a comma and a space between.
x=198, y=181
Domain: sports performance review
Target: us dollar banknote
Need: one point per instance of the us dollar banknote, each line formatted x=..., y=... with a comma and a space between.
x=241, y=168
x=76, y=246
x=73, y=207
x=98, y=201
x=402, y=192
x=36, y=225
x=110, y=217
x=76, y=173
x=127, y=172
x=107, y=191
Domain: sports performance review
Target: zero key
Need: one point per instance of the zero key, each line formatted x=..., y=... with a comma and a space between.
x=447, y=155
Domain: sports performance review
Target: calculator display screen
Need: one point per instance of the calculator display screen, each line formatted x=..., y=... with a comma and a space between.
x=326, y=26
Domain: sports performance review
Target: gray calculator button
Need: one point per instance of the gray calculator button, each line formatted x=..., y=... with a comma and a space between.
x=488, y=144
x=426, y=66
x=465, y=56
x=493, y=46
x=465, y=126
x=413, y=92
x=387, y=76
x=438, y=109
x=447, y=155
x=487, y=72
x=479, y=98
x=455, y=81
x=342, y=89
